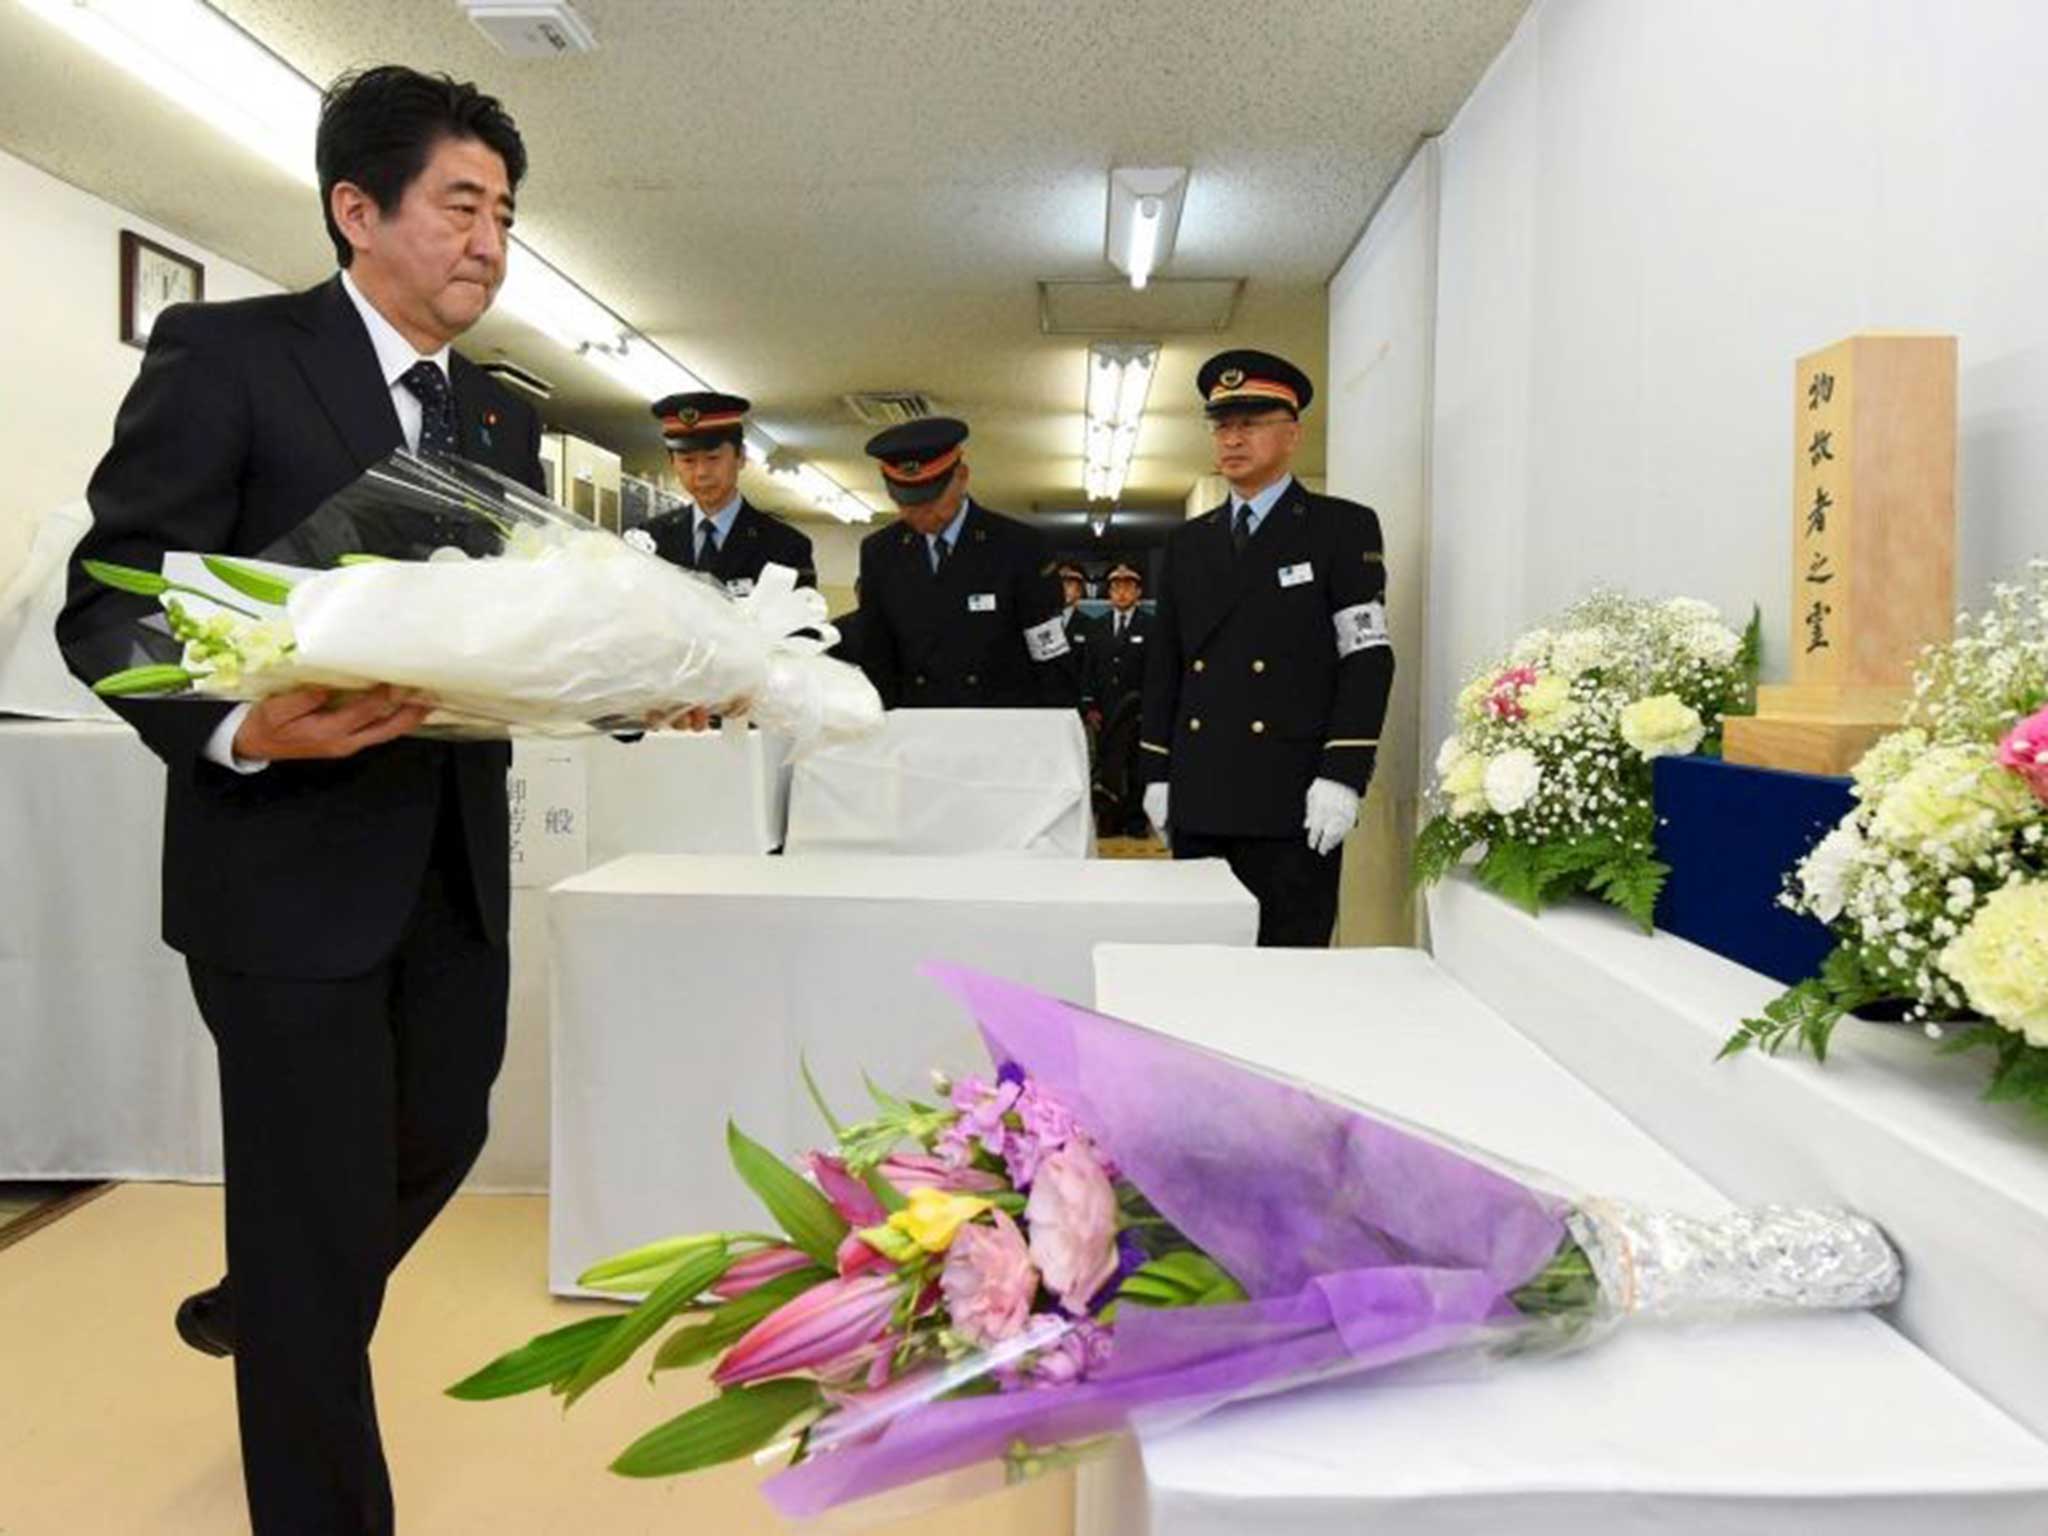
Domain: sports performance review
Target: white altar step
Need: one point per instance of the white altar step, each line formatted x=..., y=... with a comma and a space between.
x=1886, y=1126
x=1824, y=1425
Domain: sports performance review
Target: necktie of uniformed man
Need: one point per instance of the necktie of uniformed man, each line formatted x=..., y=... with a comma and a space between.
x=707, y=544
x=941, y=549
x=429, y=385
x=1241, y=527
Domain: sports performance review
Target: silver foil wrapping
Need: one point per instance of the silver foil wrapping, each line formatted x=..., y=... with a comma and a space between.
x=1773, y=1257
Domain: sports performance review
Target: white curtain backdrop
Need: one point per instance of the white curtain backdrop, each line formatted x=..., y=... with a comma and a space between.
x=1648, y=210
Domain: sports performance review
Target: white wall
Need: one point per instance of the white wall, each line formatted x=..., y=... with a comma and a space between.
x=62, y=361
x=1377, y=393
x=1648, y=211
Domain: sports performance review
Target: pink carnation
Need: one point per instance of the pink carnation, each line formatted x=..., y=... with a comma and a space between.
x=1072, y=1217
x=989, y=1281
x=1504, y=698
x=2025, y=752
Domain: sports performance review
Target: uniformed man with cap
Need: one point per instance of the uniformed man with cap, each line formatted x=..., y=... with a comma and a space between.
x=720, y=533
x=1082, y=630
x=960, y=606
x=1116, y=680
x=1269, y=667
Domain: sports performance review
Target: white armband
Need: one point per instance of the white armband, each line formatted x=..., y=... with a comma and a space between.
x=1047, y=641
x=1360, y=627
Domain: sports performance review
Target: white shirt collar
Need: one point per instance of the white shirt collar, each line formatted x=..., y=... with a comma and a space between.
x=394, y=353
x=951, y=532
x=722, y=519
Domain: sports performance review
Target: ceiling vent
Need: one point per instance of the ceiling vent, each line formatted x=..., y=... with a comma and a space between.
x=889, y=407
x=535, y=29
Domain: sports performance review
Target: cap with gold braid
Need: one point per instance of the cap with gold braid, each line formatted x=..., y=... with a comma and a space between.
x=1241, y=382
x=701, y=419
x=918, y=457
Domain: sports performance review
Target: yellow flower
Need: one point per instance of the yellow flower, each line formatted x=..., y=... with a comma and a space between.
x=2002, y=959
x=1663, y=725
x=934, y=1215
x=1955, y=800
x=1466, y=785
x=1549, y=705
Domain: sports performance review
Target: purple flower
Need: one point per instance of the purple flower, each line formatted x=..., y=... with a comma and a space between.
x=1083, y=1350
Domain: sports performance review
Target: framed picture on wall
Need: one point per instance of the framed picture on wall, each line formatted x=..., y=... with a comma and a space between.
x=153, y=279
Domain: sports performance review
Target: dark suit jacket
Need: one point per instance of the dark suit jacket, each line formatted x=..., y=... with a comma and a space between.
x=757, y=538
x=1117, y=666
x=244, y=418
x=1268, y=669
x=984, y=633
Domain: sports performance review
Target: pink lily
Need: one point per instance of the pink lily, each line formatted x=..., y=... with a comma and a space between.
x=853, y=1200
x=858, y=1258
x=754, y=1270
x=919, y=1170
x=825, y=1328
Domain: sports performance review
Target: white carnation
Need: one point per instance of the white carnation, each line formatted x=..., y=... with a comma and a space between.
x=1512, y=780
x=1824, y=876
x=1448, y=755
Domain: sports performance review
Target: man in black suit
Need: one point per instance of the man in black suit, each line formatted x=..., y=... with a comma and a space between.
x=1269, y=671
x=960, y=608
x=339, y=892
x=1117, y=678
x=720, y=533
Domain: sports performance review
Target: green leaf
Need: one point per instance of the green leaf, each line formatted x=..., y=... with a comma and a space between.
x=731, y=1425
x=1181, y=1279
x=140, y=680
x=729, y=1324
x=260, y=585
x=360, y=559
x=795, y=1203
x=818, y=1097
x=1632, y=882
x=1512, y=870
x=538, y=1363
x=892, y=1198
x=645, y=1320
x=127, y=579
x=885, y=1101
x=642, y=1269
x=1438, y=847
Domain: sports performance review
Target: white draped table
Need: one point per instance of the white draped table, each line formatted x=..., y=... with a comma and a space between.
x=951, y=781
x=1885, y=1125
x=1819, y=1425
x=688, y=990
x=105, y=1068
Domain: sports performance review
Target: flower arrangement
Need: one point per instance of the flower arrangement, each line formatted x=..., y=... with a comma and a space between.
x=1936, y=883
x=1117, y=1229
x=1549, y=768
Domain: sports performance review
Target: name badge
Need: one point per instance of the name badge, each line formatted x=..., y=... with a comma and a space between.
x=740, y=586
x=981, y=602
x=1136, y=639
x=1297, y=575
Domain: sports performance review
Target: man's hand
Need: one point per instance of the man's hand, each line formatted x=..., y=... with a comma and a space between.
x=1329, y=815
x=1155, y=809
x=697, y=717
x=318, y=722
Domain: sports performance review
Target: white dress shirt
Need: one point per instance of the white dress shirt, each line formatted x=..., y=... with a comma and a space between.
x=395, y=355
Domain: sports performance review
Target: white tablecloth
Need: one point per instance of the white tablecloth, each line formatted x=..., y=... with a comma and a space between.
x=1831, y=1424
x=105, y=1068
x=950, y=781
x=1886, y=1125
x=688, y=990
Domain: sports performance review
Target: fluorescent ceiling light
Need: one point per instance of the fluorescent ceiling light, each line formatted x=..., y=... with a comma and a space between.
x=1144, y=218
x=190, y=53
x=1119, y=383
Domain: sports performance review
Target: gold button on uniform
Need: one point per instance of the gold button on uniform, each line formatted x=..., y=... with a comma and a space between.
x=972, y=680
x=1194, y=725
x=1258, y=727
x=1199, y=665
x=1258, y=666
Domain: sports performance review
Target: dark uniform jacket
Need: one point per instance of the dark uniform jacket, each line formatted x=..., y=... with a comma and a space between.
x=244, y=418
x=983, y=633
x=1117, y=666
x=1267, y=669
x=756, y=539
x=1082, y=633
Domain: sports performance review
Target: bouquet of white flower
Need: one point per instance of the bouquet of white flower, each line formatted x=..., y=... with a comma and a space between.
x=1936, y=883
x=509, y=613
x=1549, y=768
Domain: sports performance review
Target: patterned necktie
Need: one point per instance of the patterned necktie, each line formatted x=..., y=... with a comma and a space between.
x=1241, y=527
x=707, y=544
x=940, y=551
x=429, y=385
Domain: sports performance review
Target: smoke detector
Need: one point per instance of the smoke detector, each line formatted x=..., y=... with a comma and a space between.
x=535, y=29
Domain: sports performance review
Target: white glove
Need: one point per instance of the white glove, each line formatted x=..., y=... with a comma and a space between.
x=1331, y=813
x=1155, y=806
